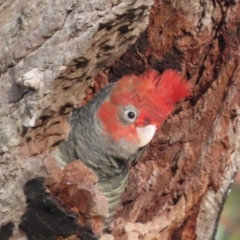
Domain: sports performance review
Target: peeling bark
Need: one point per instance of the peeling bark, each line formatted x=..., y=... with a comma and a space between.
x=51, y=50
x=184, y=180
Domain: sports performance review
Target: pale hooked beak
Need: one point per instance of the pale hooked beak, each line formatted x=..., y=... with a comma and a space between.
x=145, y=134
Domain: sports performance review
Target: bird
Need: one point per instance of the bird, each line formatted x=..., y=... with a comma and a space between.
x=114, y=129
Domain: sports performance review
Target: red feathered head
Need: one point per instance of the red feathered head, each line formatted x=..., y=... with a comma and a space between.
x=141, y=102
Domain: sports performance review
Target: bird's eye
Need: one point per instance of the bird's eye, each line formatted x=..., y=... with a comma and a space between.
x=129, y=115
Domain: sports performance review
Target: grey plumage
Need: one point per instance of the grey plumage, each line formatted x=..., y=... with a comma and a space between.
x=98, y=151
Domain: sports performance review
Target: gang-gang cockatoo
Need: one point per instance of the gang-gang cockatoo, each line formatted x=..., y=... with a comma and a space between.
x=115, y=127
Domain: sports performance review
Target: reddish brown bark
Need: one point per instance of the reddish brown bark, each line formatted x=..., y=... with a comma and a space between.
x=193, y=151
x=177, y=190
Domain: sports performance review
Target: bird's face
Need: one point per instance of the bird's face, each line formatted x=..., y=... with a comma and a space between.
x=126, y=124
x=132, y=119
x=137, y=106
x=143, y=128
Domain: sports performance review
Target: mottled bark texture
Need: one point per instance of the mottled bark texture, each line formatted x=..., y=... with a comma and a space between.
x=51, y=50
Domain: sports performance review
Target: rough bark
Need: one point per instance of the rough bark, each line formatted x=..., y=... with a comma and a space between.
x=51, y=50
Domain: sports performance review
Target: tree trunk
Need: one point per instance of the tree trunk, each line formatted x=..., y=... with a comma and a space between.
x=50, y=54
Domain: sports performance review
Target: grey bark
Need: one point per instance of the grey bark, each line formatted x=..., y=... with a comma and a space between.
x=44, y=43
